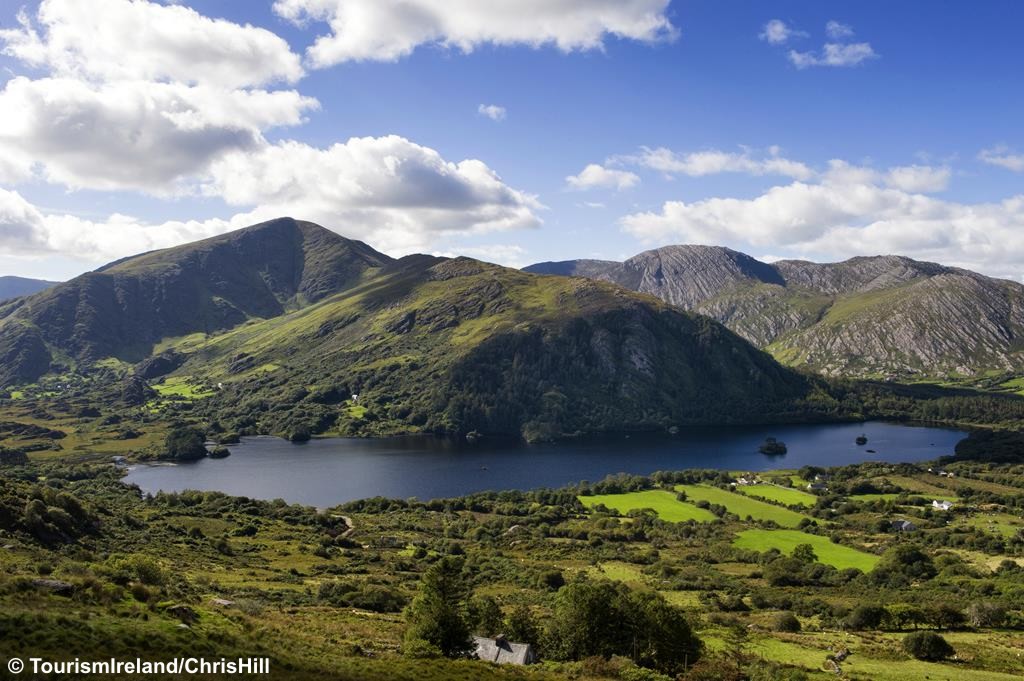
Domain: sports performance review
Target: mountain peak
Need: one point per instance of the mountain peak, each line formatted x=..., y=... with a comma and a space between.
x=868, y=315
x=123, y=309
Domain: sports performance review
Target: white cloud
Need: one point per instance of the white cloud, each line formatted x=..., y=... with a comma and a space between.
x=595, y=175
x=399, y=196
x=121, y=40
x=135, y=134
x=388, y=190
x=837, y=30
x=26, y=231
x=1003, y=157
x=387, y=30
x=711, y=162
x=777, y=32
x=508, y=255
x=852, y=211
x=918, y=178
x=834, y=54
x=141, y=96
x=492, y=111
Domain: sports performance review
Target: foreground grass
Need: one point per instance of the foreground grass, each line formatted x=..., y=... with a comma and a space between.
x=829, y=553
x=662, y=502
x=743, y=506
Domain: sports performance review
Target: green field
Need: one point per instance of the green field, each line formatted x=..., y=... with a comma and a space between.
x=663, y=503
x=836, y=555
x=883, y=662
x=782, y=495
x=742, y=505
x=181, y=386
x=1003, y=524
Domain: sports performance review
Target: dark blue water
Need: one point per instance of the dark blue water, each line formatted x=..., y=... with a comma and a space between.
x=330, y=471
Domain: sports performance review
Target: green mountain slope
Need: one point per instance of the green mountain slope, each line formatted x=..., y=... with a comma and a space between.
x=459, y=345
x=122, y=310
x=276, y=328
x=866, y=317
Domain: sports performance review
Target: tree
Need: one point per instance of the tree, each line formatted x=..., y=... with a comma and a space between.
x=484, y=616
x=185, y=444
x=866, y=617
x=437, y=615
x=521, y=626
x=945, y=616
x=927, y=645
x=902, y=615
x=904, y=563
x=608, y=618
x=805, y=554
x=986, y=615
x=663, y=639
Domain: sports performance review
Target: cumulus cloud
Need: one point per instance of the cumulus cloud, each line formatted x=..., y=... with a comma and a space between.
x=399, y=196
x=138, y=135
x=508, y=255
x=140, y=96
x=777, y=32
x=837, y=30
x=1002, y=157
x=595, y=175
x=25, y=230
x=387, y=30
x=123, y=40
x=162, y=100
x=492, y=111
x=714, y=161
x=851, y=211
x=919, y=178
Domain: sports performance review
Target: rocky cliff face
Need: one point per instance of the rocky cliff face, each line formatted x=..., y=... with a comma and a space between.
x=867, y=316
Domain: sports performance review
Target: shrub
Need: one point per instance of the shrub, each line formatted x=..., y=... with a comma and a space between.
x=786, y=621
x=927, y=645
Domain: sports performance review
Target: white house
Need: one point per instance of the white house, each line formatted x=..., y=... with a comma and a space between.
x=941, y=505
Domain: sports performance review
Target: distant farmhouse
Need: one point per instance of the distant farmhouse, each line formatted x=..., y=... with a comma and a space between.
x=903, y=526
x=499, y=649
x=941, y=505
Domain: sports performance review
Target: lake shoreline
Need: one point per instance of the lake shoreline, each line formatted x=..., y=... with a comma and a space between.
x=328, y=471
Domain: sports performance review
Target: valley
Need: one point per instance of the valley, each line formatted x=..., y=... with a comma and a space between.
x=769, y=590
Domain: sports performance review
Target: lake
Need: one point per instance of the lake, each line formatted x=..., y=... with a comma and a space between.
x=325, y=472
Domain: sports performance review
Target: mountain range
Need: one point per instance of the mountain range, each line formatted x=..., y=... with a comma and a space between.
x=295, y=325
x=869, y=317
x=13, y=287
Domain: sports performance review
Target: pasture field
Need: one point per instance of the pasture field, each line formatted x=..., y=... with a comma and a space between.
x=742, y=505
x=829, y=553
x=782, y=495
x=663, y=502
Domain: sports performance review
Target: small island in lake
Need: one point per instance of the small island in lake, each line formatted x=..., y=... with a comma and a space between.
x=862, y=440
x=772, y=446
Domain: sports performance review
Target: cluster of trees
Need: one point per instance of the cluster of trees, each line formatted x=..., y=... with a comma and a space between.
x=590, y=618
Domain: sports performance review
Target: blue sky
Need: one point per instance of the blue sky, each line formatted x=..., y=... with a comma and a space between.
x=908, y=140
